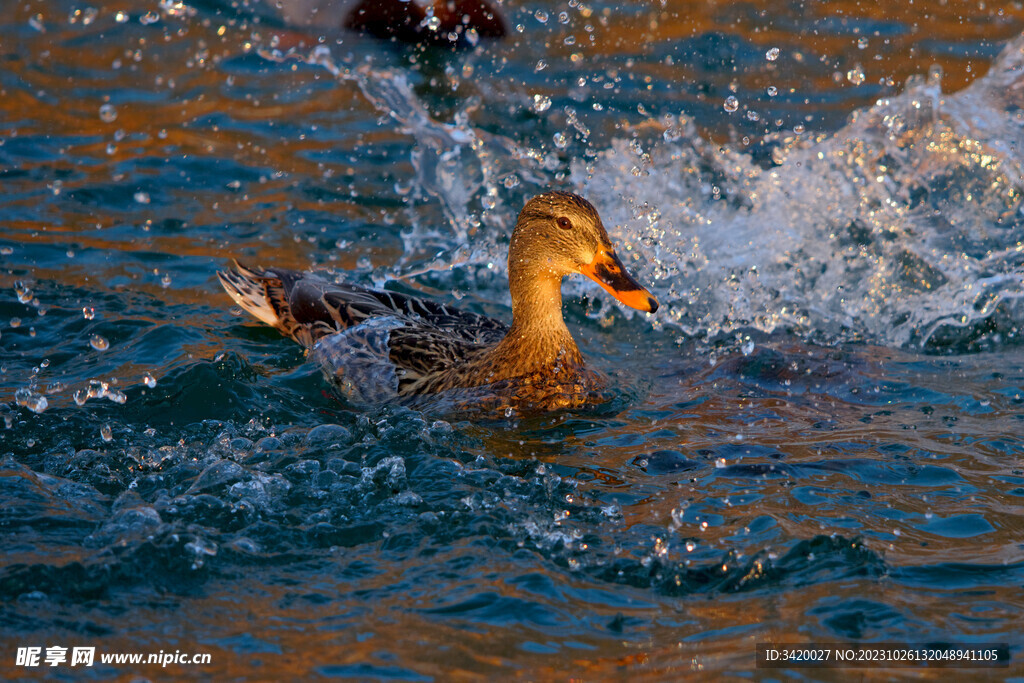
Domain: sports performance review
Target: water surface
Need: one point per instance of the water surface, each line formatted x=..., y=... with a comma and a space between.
x=817, y=438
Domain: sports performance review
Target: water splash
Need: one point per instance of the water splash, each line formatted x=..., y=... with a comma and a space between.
x=461, y=166
x=903, y=227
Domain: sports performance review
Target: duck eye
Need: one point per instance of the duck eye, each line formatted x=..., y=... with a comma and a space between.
x=564, y=223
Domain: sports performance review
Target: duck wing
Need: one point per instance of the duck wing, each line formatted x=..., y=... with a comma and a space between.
x=387, y=357
x=373, y=345
x=306, y=307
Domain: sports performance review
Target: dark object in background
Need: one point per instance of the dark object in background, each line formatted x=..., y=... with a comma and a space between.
x=410, y=21
x=437, y=22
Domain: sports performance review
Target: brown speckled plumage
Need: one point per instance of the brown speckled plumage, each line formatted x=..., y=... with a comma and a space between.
x=434, y=348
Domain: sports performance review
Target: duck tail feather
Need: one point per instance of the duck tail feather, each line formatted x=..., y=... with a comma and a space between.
x=254, y=292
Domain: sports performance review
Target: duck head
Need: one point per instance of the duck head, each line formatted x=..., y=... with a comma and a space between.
x=560, y=233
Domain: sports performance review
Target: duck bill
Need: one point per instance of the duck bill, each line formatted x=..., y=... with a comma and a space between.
x=607, y=270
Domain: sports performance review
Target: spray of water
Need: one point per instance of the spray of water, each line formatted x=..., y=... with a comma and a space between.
x=900, y=227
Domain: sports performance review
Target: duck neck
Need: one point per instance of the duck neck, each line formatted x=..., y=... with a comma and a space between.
x=538, y=339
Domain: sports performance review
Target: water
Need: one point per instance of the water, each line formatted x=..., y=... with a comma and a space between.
x=817, y=437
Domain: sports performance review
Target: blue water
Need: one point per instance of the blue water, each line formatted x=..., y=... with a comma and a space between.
x=817, y=438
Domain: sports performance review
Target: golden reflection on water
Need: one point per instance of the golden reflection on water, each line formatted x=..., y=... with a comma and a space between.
x=908, y=32
x=302, y=631
x=172, y=108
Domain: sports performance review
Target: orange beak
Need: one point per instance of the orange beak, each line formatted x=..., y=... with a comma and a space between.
x=607, y=270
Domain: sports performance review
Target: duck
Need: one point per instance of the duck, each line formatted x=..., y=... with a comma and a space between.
x=378, y=345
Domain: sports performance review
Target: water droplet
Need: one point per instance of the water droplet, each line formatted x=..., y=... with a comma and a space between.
x=99, y=343
x=690, y=546
x=121, y=17
x=6, y=251
x=563, y=17
x=772, y=91
x=23, y=292
x=106, y=433
x=862, y=43
x=561, y=141
x=720, y=463
x=165, y=280
x=149, y=380
x=15, y=322
x=753, y=115
x=731, y=104
x=97, y=389
x=541, y=103
x=433, y=23
x=149, y=18
x=141, y=197
x=176, y=8
x=772, y=54
x=855, y=75
x=108, y=113
x=748, y=347
x=27, y=398
x=541, y=16
x=88, y=312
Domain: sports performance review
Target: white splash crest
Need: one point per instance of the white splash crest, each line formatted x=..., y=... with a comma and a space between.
x=904, y=223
